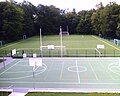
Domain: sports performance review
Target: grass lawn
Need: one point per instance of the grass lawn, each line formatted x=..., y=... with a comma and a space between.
x=72, y=94
x=3, y=93
x=75, y=45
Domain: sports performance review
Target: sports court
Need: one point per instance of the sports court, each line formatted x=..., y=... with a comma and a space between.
x=66, y=74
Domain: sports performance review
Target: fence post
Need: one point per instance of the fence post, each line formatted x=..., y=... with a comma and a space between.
x=5, y=53
x=86, y=53
x=104, y=53
x=95, y=53
x=76, y=53
x=114, y=52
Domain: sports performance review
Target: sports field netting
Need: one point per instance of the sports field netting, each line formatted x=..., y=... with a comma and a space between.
x=63, y=73
x=74, y=45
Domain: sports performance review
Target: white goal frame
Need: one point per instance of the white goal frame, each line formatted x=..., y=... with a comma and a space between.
x=116, y=41
x=64, y=32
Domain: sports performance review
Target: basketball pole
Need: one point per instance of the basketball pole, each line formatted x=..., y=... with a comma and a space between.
x=41, y=42
x=61, y=41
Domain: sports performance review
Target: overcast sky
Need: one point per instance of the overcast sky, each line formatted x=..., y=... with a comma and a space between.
x=70, y=4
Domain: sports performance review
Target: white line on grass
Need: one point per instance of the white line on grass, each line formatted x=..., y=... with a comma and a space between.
x=9, y=68
x=93, y=71
x=11, y=45
x=98, y=51
x=106, y=43
x=77, y=72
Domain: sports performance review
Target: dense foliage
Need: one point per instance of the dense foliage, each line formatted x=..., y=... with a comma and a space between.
x=18, y=19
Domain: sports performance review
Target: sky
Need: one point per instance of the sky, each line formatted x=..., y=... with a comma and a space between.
x=70, y=4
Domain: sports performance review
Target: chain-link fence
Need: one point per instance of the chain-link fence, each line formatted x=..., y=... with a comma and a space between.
x=66, y=53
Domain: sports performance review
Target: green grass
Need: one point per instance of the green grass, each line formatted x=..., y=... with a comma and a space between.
x=72, y=94
x=4, y=93
x=75, y=45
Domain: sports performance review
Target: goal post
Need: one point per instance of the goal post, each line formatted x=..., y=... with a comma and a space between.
x=116, y=41
x=64, y=33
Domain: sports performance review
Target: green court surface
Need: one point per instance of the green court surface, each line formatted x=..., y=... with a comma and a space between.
x=63, y=74
x=73, y=45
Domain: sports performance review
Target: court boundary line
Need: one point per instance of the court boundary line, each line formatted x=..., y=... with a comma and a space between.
x=74, y=58
x=48, y=71
x=71, y=83
x=9, y=67
x=78, y=75
x=94, y=72
x=88, y=90
x=61, y=71
x=41, y=71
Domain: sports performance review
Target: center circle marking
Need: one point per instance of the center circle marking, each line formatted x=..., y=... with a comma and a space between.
x=77, y=69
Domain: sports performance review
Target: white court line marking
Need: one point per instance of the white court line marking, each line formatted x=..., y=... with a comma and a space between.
x=93, y=71
x=110, y=66
x=107, y=71
x=77, y=72
x=22, y=77
x=85, y=83
x=61, y=71
x=48, y=71
x=9, y=68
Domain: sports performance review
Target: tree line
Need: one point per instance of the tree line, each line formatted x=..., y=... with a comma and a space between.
x=18, y=19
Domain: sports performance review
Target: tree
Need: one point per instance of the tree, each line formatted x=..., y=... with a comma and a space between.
x=12, y=21
x=48, y=18
x=85, y=26
x=105, y=20
x=72, y=21
x=28, y=23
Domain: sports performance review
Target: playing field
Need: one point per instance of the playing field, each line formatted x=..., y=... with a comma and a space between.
x=74, y=45
x=63, y=75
